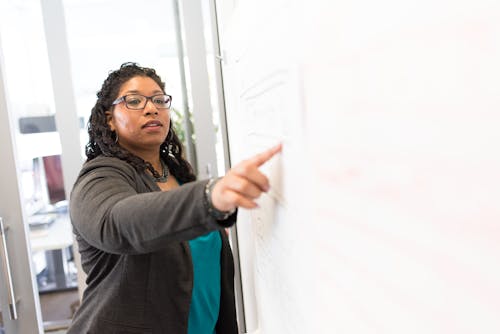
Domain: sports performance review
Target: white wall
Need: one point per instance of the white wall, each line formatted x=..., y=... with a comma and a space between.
x=384, y=216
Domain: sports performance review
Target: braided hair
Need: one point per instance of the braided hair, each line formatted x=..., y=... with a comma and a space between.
x=102, y=141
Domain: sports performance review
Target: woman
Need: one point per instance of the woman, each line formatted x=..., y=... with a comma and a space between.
x=151, y=238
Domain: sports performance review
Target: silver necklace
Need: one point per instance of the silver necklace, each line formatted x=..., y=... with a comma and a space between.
x=164, y=173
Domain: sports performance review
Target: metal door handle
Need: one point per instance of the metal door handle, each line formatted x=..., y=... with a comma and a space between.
x=7, y=272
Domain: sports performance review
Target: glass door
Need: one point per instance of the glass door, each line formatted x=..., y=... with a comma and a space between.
x=34, y=193
x=19, y=304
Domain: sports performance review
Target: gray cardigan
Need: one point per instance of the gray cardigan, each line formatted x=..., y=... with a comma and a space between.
x=133, y=241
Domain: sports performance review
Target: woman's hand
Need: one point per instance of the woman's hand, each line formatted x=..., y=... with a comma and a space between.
x=243, y=183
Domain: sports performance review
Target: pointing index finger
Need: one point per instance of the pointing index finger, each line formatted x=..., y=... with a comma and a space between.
x=261, y=158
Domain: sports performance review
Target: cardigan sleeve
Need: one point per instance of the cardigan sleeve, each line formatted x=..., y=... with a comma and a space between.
x=110, y=214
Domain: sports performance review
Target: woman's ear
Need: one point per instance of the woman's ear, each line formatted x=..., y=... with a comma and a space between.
x=109, y=120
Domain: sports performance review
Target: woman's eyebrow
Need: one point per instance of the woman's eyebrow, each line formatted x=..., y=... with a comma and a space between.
x=133, y=91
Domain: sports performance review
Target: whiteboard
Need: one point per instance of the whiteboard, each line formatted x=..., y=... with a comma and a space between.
x=384, y=214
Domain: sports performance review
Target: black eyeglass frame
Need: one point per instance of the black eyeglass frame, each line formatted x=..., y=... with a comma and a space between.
x=123, y=99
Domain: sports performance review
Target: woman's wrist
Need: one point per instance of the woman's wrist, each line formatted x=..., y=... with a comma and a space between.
x=212, y=210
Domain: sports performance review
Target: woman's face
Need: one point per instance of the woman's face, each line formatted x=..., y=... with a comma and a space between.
x=143, y=130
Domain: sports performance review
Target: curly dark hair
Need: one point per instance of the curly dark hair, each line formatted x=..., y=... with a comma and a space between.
x=102, y=141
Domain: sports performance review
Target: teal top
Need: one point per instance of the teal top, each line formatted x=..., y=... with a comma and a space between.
x=205, y=299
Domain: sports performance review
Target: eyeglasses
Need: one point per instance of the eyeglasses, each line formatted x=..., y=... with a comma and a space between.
x=138, y=101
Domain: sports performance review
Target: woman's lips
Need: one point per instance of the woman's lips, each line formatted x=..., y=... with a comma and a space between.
x=152, y=124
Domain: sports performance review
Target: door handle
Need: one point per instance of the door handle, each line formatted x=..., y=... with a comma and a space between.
x=6, y=266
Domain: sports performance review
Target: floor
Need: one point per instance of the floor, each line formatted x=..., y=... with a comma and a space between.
x=57, y=310
x=58, y=305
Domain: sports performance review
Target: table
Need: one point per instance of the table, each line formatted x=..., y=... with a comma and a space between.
x=54, y=240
